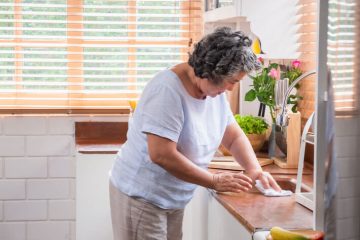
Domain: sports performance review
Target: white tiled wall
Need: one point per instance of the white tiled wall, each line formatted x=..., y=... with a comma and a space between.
x=348, y=192
x=37, y=176
x=36, y=197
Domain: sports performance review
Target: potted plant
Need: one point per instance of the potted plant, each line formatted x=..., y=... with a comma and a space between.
x=254, y=128
x=263, y=87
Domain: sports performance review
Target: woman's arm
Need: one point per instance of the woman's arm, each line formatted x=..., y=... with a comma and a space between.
x=238, y=144
x=163, y=152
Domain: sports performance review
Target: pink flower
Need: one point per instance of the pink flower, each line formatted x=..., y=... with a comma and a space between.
x=261, y=60
x=274, y=73
x=295, y=63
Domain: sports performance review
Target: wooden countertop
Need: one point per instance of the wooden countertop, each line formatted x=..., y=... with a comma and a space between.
x=258, y=212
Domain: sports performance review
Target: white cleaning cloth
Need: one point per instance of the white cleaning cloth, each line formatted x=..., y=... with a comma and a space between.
x=270, y=192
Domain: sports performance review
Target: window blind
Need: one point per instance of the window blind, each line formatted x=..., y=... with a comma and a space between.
x=307, y=27
x=307, y=30
x=89, y=54
x=343, y=38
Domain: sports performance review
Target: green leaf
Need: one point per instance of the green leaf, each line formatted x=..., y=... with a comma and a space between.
x=251, y=124
x=250, y=95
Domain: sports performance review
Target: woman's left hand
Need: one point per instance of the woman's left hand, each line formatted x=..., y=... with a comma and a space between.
x=266, y=179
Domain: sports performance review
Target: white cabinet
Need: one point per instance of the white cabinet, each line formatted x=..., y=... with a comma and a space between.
x=93, y=220
x=222, y=225
x=195, y=224
x=206, y=219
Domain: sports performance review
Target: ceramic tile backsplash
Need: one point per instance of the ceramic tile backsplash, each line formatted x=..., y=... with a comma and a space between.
x=1, y=211
x=25, y=210
x=24, y=126
x=348, y=191
x=25, y=167
x=37, y=171
x=12, y=189
x=12, y=146
x=61, y=167
x=54, y=230
x=37, y=176
x=1, y=167
x=62, y=209
x=48, y=189
x=50, y=145
x=12, y=230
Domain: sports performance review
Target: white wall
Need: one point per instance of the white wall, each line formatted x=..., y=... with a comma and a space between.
x=274, y=23
x=38, y=177
x=348, y=191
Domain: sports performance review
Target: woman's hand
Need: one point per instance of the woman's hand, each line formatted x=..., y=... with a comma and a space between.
x=266, y=179
x=231, y=182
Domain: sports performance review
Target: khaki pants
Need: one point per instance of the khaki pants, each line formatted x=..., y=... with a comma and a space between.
x=135, y=219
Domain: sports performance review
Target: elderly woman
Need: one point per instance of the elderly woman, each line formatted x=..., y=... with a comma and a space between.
x=181, y=119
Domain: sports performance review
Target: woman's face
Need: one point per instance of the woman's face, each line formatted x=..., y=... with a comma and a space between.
x=212, y=90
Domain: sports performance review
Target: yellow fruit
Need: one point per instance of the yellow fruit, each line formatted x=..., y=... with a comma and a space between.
x=256, y=46
x=278, y=233
x=132, y=104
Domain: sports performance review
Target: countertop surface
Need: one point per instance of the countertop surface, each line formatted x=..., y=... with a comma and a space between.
x=258, y=212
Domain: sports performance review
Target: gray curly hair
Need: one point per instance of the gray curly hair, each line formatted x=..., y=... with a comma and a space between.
x=222, y=54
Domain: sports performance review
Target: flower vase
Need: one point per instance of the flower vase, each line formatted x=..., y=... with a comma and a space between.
x=272, y=141
x=277, y=142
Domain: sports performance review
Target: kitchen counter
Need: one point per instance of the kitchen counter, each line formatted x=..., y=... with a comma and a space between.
x=252, y=209
x=257, y=212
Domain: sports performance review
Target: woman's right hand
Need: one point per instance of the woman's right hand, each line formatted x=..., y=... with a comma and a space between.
x=231, y=182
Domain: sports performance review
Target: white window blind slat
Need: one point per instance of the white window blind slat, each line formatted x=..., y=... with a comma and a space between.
x=342, y=40
x=89, y=54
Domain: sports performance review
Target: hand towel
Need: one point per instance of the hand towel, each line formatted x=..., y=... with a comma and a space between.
x=270, y=192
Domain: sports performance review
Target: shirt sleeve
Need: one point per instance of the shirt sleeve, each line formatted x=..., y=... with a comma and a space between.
x=162, y=113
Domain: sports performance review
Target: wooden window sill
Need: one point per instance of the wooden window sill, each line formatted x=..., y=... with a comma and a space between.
x=100, y=137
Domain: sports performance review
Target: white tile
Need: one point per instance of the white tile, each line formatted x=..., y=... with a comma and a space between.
x=12, y=146
x=1, y=123
x=346, y=126
x=347, y=208
x=26, y=167
x=72, y=230
x=50, y=145
x=12, y=231
x=348, y=167
x=347, y=228
x=1, y=211
x=25, y=210
x=62, y=166
x=12, y=189
x=54, y=230
x=62, y=210
x=72, y=188
x=1, y=167
x=346, y=146
x=48, y=189
x=24, y=125
x=349, y=188
x=61, y=125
